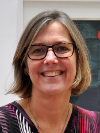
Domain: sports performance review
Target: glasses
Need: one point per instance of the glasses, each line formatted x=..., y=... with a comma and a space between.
x=61, y=50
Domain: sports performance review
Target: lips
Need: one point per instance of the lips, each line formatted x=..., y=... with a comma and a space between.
x=52, y=74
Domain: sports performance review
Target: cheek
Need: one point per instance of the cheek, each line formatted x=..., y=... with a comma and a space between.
x=33, y=68
x=71, y=64
x=33, y=73
x=74, y=68
x=71, y=73
x=71, y=68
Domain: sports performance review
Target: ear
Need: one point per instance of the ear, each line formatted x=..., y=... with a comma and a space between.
x=26, y=71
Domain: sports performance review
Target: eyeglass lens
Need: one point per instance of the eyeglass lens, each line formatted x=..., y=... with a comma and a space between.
x=60, y=50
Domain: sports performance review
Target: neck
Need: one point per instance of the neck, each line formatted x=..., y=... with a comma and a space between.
x=50, y=109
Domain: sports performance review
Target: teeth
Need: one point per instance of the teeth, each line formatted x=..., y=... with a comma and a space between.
x=51, y=74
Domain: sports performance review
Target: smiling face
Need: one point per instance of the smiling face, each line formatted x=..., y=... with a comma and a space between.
x=52, y=75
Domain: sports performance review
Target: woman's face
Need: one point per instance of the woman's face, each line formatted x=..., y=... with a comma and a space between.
x=52, y=75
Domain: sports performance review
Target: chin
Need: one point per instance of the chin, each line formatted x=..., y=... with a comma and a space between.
x=54, y=91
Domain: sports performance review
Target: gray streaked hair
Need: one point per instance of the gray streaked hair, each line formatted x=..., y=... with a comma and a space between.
x=23, y=85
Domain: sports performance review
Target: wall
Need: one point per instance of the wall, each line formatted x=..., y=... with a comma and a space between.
x=11, y=26
x=75, y=9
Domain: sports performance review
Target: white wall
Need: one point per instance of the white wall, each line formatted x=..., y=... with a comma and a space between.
x=75, y=9
x=11, y=26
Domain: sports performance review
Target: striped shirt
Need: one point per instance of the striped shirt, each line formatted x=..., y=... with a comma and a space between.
x=13, y=119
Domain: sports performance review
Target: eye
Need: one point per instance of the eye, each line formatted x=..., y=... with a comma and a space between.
x=37, y=50
x=61, y=49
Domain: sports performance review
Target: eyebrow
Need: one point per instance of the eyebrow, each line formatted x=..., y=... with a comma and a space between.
x=58, y=42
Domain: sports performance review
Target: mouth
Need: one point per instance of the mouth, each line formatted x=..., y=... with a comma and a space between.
x=52, y=74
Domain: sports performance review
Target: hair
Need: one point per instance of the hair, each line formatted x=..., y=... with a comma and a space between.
x=22, y=84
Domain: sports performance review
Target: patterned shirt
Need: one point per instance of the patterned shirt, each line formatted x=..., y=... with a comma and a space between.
x=13, y=119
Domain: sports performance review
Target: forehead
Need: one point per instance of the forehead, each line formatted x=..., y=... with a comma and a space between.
x=54, y=30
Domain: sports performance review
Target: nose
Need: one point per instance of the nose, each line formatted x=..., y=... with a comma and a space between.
x=50, y=58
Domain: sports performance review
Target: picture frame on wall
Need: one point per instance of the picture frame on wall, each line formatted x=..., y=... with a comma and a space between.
x=90, y=30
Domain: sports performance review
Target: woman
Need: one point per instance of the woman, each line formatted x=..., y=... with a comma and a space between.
x=50, y=65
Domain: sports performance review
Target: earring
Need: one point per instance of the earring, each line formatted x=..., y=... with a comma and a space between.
x=26, y=74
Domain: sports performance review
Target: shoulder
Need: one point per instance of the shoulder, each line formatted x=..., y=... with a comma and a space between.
x=84, y=112
x=8, y=118
x=6, y=109
x=87, y=119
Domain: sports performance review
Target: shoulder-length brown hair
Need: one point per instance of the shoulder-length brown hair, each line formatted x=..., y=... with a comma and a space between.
x=23, y=85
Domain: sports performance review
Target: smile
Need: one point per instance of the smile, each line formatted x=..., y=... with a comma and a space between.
x=52, y=74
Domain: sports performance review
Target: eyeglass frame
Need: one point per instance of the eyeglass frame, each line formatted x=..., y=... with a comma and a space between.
x=50, y=46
